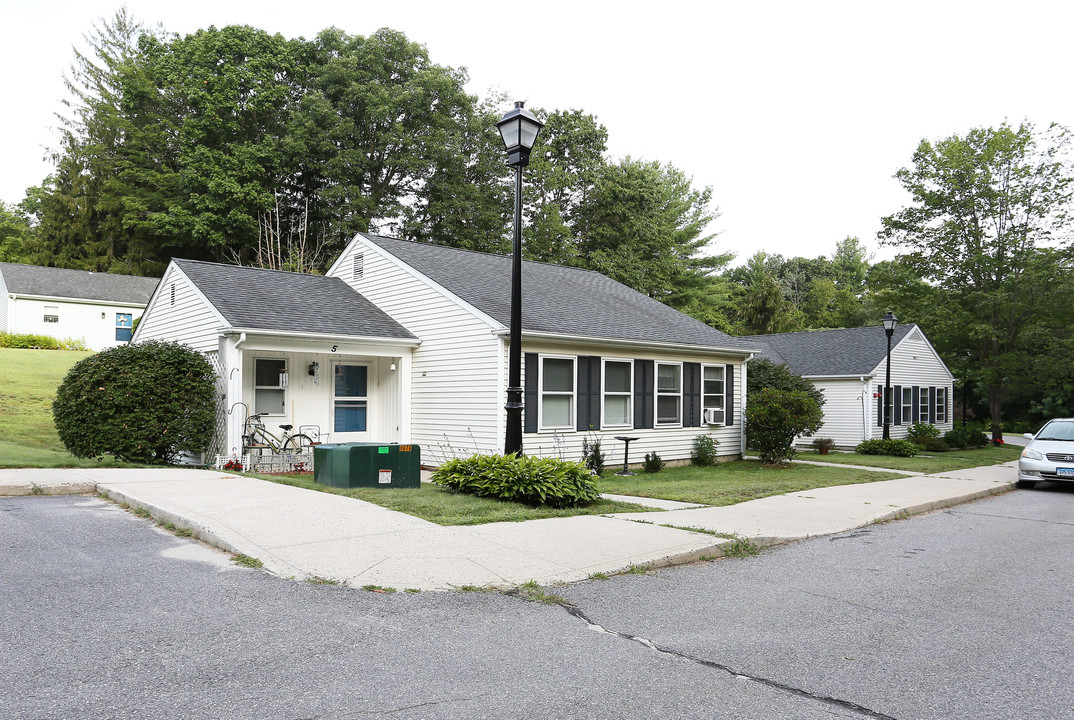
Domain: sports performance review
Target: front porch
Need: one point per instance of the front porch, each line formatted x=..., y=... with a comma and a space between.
x=327, y=388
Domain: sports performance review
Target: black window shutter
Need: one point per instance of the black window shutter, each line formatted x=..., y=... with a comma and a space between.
x=897, y=400
x=643, y=394
x=729, y=395
x=588, y=392
x=691, y=396
x=530, y=396
x=880, y=407
x=932, y=404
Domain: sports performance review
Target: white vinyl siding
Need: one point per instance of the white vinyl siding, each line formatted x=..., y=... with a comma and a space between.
x=458, y=378
x=92, y=322
x=913, y=364
x=849, y=411
x=179, y=313
x=672, y=443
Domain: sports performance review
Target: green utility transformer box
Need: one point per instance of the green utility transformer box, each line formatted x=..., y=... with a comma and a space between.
x=364, y=464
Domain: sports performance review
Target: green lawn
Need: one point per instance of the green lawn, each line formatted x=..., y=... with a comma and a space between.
x=926, y=462
x=444, y=507
x=28, y=439
x=27, y=388
x=725, y=484
x=734, y=482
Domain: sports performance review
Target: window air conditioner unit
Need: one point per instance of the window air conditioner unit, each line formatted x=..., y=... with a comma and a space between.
x=713, y=416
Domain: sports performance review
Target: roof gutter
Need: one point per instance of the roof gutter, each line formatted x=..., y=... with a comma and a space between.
x=291, y=334
x=80, y=301
x=641, y=344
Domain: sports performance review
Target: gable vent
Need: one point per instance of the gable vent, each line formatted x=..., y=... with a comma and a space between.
x=359, y=266
x=173, y=294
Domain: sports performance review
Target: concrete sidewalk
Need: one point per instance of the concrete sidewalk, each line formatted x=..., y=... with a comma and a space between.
x=302, y=533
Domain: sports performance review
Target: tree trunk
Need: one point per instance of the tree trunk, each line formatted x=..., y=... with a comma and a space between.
x=995, y=409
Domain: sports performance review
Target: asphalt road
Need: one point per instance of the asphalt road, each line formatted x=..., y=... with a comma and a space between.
x=958, y=614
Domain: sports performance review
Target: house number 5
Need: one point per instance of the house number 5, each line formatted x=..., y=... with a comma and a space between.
x=334, y=347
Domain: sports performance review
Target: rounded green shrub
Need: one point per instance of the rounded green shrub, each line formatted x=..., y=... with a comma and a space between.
x=141, y=403
x=530, y=480
x=892, y=446
x=933, y=444
x=964, y=436
x=774, y=418
x=920, y=431
x=704, y=451
x=653, y=462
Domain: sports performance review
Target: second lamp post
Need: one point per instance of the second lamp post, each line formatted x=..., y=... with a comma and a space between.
x=518, y=128
x=889, y=321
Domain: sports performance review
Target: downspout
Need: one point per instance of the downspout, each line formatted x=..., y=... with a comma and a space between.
x=742, y=424
x=864, y=409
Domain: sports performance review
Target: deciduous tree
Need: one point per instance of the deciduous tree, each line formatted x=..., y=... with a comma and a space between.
x=987, y=212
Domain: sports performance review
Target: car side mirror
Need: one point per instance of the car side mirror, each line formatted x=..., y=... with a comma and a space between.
x=1028, y=436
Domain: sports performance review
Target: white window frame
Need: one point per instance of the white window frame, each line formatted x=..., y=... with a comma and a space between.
x=941, y=404
x=51, y=314
x=573, y=394
x=367, y=399
x=923, y=404
x=278, y=386
x=657, y=395
x=605, y=393
x=907, y=402
x=722, y=395
x=129, y=326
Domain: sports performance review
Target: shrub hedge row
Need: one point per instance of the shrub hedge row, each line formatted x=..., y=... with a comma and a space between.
x=39, y=342
x=524, y=479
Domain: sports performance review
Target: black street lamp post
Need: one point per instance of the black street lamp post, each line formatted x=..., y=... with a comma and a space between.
x=518, y=128
x=889, y=321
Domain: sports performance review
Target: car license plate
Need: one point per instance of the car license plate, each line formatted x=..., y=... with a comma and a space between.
x=1064, y=472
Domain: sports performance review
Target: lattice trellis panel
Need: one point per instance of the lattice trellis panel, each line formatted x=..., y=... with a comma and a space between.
x=218, y=445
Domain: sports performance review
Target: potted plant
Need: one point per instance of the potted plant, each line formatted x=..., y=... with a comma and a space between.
x=823, y=445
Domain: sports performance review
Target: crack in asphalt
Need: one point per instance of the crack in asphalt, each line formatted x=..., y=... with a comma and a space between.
x=767, y=682
x=1009, y=517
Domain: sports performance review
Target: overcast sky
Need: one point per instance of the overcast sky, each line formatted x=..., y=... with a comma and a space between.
x=797, y=114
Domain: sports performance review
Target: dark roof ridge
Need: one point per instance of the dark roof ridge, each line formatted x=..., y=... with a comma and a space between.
x=824, y=330
x=486, y=254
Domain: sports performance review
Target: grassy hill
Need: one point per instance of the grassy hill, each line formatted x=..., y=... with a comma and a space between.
x=28, y=382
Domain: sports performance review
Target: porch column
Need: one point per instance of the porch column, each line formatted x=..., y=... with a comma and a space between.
x=231, y=357
x=405, y=396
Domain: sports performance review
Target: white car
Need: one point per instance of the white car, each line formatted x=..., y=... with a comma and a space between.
x=1049, y=454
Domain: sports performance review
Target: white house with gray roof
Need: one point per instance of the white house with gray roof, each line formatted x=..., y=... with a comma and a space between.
x=97, y=308
x=418, y=334
x=306, y=350
x=849, y=367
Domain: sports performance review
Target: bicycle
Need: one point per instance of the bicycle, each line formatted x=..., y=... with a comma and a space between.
x=258, y=438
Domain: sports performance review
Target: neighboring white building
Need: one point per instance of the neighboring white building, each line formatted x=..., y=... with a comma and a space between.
x=849, y=367
x=97, y=308
x=408, y=342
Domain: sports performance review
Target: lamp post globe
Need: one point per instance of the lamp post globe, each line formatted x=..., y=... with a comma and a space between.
x=889, y=322
x=519, y=129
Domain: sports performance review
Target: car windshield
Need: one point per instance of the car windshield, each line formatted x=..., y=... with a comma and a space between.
x=1057, y=431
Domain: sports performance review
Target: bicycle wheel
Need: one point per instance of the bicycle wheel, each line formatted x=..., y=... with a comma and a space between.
x=299, y=444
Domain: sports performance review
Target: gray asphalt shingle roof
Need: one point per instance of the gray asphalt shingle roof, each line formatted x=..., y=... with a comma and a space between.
x=555, y=298
x=80, y=284
x=256, y=298
x=850, y=351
